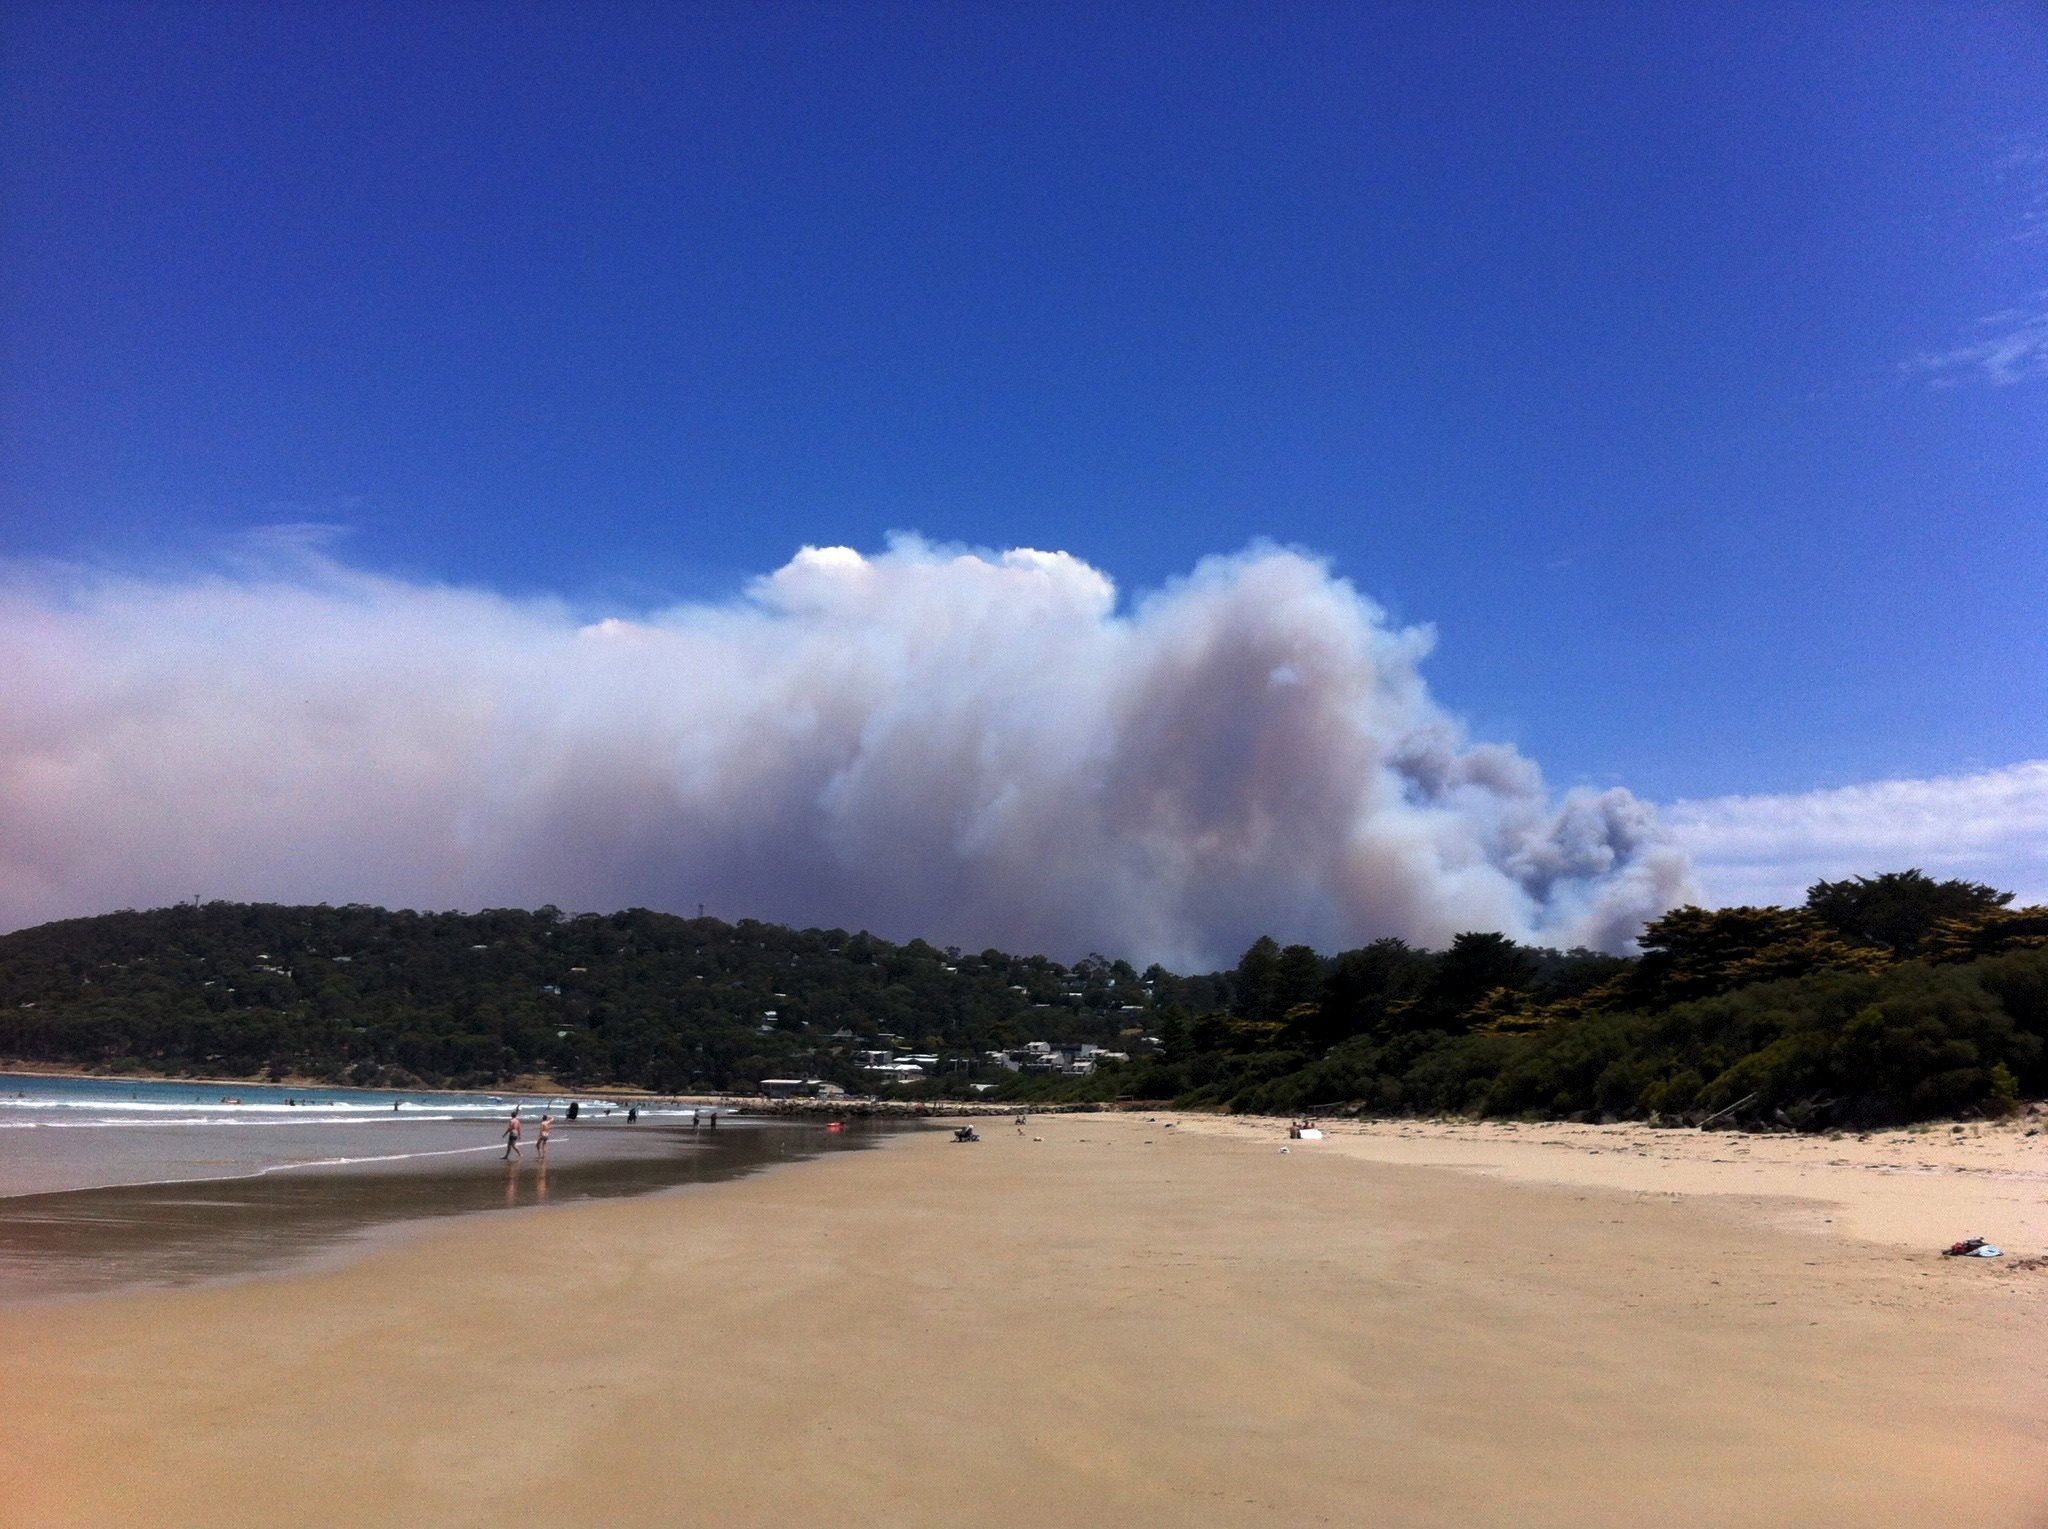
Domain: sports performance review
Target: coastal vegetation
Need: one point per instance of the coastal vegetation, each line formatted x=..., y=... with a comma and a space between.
x=1879, y=1000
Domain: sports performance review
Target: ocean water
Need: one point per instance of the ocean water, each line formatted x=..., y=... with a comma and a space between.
x=109, y=1183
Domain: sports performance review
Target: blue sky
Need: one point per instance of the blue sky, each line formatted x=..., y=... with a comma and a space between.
x=1685, y=366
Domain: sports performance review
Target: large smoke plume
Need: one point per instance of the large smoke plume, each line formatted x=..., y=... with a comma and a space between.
x=976, y=747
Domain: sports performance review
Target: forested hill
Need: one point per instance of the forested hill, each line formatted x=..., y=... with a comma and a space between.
x=374, y=996
x=1880, y=999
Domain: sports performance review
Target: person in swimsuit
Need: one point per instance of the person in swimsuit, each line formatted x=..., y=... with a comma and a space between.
x=540, y=1146
x=512, y=1136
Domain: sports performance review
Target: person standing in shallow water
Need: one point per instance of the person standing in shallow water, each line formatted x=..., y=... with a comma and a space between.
x=540, y=1146
x=512, y=1137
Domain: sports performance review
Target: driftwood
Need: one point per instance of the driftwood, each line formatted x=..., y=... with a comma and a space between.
x=1738, y=1104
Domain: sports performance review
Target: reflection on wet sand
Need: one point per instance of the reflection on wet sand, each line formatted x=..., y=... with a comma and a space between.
x=96, y=1240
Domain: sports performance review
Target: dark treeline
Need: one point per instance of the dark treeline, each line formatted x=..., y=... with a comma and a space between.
x=370, y=996
x=1881, y=999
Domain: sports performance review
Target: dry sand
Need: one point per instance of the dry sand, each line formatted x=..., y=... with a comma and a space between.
x=1099, y=1321
x=1922, y=1188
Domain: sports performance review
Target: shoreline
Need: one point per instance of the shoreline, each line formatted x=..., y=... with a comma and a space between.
x=530, y=1087
x=1908, y=1189
x=1094, y=1320
x=2031, y=1112
x=232, y=1223
x=526, y=1085
x=370, y=1237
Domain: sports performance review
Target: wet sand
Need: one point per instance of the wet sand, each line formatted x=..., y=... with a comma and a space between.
x=198, y=1230
x=1096, y=1321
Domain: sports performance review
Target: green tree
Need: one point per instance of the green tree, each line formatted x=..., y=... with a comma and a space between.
x=1476, y=965
x=1257, y=968
x=1176, y=1036
x=1898, y=909
x=1696, y=952
x=1988, y=933
x=1297, y=980
x=1361, y=986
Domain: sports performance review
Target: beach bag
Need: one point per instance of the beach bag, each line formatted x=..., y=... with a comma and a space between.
x=1972, y=1247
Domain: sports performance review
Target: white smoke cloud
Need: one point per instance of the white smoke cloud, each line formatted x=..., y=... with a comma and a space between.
x=1991, y=826
x=976, y=747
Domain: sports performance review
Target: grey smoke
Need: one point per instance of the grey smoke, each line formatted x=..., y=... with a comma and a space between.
x=981, y=748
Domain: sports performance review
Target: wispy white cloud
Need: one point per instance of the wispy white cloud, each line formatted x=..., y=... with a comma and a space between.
x=1991, y=826
x=2009, y=346
x=2013, y=348
x=979, y=747
x=2026, y=168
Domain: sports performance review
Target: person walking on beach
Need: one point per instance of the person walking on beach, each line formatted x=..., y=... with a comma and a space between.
x=512, y=1137
x=540, y=1146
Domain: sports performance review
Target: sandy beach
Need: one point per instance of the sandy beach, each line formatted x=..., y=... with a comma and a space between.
x=1107, y=1320
x=1917, y=1188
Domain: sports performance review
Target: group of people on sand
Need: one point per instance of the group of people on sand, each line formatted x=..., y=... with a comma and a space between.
x=540, y=1141
x=515, y=1129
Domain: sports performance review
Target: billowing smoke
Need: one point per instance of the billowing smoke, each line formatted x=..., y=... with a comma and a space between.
x=979, y=748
